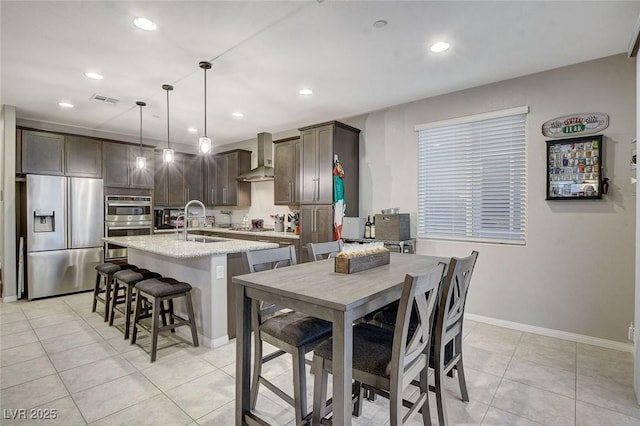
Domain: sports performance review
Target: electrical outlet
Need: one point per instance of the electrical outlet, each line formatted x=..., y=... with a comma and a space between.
x=219, y=271
x=631, y=332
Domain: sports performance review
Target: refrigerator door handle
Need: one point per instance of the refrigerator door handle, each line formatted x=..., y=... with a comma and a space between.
x=67, y=213
x=123, y=228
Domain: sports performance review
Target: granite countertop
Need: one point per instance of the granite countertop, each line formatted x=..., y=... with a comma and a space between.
x=289, y=235
x=167, y=245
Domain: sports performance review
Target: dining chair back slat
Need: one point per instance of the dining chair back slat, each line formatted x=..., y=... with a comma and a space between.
x=289, y=331
x=262, y=260
x=385, y=362
x=447, y=345
x=327, y=250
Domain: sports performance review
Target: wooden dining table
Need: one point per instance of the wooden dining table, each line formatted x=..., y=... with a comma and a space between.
x=315, y=289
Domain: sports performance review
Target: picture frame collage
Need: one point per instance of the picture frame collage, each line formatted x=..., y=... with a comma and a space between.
x=574, y=168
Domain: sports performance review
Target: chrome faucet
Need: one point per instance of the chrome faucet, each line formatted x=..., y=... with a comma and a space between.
x=186, y=216
x=177, y=220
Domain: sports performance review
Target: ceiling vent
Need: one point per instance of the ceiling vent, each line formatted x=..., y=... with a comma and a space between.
x=104, y=99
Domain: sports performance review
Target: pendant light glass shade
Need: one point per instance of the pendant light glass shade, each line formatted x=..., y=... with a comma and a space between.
x=167, y=153
x=141, y=161
x=204, y=143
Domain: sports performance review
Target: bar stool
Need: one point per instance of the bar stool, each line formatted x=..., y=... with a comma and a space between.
x=104, y=274
x=125, y=280
x=155, y=291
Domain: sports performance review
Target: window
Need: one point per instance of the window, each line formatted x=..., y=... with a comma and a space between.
x=471, y=178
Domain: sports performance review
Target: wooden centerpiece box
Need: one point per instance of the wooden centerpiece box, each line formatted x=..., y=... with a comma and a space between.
x=355, y=262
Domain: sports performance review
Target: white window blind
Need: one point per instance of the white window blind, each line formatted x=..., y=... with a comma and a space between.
x=471, y=178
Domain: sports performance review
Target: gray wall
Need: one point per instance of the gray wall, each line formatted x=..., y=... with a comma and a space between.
x=636, y=335
x=8, y=203
x=576, y=272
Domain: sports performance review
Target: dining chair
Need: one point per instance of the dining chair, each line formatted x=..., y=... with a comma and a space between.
x=289, y=331
x=446, y=354
x=328, y=250
x=386, y=361
x=447, y=345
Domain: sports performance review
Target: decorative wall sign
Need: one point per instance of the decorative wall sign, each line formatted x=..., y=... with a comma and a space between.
x=574, y=168
x=576, y=124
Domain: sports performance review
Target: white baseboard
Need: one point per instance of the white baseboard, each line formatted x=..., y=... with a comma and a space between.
x=203, y=340
x=9, y=299
x=579, y=338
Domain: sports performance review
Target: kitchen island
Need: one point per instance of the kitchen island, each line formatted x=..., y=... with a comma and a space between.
x=233, y=233
x=207, y=264
x=264, y=235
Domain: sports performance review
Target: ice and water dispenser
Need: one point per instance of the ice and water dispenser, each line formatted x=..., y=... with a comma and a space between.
x=44, y=220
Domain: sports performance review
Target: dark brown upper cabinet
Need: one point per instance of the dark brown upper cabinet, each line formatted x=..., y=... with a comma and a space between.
x=179, y=181
x=286, y=180
x=119, y=166
x=222, y=186
x=57, y=154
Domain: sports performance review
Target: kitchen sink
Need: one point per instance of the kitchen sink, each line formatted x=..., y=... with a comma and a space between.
x=205, y=239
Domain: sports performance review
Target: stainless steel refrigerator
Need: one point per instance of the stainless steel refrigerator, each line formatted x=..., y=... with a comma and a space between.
x=64, y=231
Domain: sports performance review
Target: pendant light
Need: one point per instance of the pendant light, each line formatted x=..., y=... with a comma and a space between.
x=205, y=141
x=141, y=161
x=167, y=153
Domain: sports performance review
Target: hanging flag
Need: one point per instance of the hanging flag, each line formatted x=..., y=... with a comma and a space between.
x=339, y=206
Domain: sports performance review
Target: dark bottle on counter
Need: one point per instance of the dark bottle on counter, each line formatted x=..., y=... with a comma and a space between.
x=367, y=227
x=373, y=228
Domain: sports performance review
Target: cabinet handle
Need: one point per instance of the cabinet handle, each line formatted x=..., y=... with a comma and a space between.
x=318, y=188
x=291, y=192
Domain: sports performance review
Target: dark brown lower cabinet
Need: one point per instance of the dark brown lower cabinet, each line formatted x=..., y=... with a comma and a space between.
x=316, y=226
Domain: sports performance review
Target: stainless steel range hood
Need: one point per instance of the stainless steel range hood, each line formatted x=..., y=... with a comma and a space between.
x=264, y=171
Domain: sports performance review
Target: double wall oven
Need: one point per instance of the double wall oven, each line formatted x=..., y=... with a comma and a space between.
x=124, y=216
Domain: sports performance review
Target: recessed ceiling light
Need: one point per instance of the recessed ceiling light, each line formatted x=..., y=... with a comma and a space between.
x=440, y=46
x=145, y=24
x=192, y=130
x=238, y=114
x=380, y=23
x=65, y=104
x=305, y=91
x=93, y=75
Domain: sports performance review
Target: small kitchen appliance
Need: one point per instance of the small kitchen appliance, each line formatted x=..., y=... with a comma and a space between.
x=353, y=228
x=257, y=224
x=126, y=216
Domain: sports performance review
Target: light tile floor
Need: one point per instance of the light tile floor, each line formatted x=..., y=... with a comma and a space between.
x=55, y=354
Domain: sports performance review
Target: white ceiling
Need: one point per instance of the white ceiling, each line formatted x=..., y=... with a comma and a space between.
x=264, y=52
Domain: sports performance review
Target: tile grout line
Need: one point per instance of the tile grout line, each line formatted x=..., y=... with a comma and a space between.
x=139, y=371
x=60, y=377
x=500, y=383
x=57, y=373
x=501, y=378
x=109, y=381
